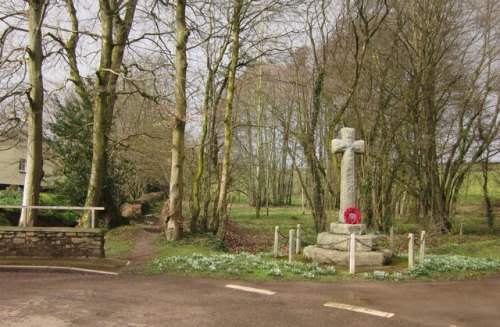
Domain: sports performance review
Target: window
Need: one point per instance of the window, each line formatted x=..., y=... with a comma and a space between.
x=22, y=165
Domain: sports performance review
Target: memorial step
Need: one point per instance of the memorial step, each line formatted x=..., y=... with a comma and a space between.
x=364, y=243
x=347, y=229
x=341, y=258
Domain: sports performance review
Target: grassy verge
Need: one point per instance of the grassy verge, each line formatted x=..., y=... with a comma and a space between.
x=118, y=241
x=242, y=266
x=448, y=256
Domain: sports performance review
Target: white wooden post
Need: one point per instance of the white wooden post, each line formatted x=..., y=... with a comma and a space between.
x=276, y=240
x=411, y=260
x=92, y=221
x=297, y=241
x=291, y=245
x=391, y=239
x=422, y=247
x=352, y=255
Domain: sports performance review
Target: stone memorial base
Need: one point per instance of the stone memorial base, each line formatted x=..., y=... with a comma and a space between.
x=334, y=247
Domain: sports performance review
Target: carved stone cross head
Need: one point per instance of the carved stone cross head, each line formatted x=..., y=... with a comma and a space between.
x=347, y=142
x=349, y=147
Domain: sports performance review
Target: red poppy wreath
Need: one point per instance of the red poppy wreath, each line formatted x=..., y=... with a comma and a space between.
x=352, y=216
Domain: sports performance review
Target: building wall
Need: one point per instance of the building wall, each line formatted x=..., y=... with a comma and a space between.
x=11, y=153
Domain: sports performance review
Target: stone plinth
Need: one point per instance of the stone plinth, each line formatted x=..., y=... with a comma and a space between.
x=364, y=243
x=347, y=229
x=333, y=247
x=341, y=258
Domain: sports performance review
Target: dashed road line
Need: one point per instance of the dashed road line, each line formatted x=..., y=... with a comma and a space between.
x=359, y=309
x=55, y=269
x=250, y=289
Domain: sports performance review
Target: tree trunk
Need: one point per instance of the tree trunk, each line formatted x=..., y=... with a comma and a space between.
x=173, y=226
x=99, y=141
x=490, y=218
x=224, y=183
x=34, y=159
x=112, y=51
x=318, y=208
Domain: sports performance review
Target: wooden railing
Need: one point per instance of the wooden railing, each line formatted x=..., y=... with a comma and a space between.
x=92, y=210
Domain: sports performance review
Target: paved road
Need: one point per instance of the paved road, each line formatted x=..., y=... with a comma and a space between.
x=58, y=299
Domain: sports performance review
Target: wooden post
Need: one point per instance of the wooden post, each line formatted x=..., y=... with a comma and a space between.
x=352, y=255
x=411, y=260
x=462, y=227
x=291, y=245
x=297, y=241
x=276, y=240
x=421, y=256
x=391, y=239
x=92, y=221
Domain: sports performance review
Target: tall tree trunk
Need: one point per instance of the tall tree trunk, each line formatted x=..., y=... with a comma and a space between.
x=196, y=207
x=34, y=159
x=222, y=213
x=490, y=218
x=173, y=227
x=112, y=52
x=260, y=151
x=318, y=208
x=100, y=125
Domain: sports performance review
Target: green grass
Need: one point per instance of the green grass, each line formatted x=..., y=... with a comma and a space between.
x=403, y=227
x=188, y=245
x=472, y=188
x=285, y=217
x=473, y=246
x=118, y=241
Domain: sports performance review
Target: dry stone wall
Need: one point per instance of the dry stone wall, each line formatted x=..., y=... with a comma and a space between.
x=51, y=242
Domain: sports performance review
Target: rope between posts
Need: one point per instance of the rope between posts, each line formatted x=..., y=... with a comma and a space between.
x=286, y=236
x=339, y=242
x=283, y=236
x=367, y=245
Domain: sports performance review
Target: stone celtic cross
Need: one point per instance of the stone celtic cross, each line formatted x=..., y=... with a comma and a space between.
x=349, y=147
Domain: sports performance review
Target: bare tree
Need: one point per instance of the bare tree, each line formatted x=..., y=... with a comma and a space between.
x=116, y=21
x=34, y=160
x=222, y=213
x=174, y=219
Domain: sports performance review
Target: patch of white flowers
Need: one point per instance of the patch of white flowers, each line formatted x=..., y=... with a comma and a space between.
x=236, y=264
x=440, y=264
x=276, y=272
x=454, y=263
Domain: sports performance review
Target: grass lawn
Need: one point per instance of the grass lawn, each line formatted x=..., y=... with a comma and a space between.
x=285, y=217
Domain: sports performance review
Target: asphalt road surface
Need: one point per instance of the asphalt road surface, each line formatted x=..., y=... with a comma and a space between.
x=60, y=299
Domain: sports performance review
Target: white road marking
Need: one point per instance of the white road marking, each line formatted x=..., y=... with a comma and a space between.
x=359, y=309
x=250, y=289
x=101, y=272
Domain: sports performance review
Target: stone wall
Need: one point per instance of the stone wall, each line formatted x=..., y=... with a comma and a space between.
x=51, y=242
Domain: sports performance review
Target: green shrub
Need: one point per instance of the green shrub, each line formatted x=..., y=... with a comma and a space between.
x=3, y=220
x=11, y=196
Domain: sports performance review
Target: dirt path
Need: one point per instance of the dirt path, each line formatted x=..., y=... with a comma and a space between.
x=143, y=248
